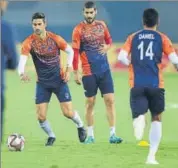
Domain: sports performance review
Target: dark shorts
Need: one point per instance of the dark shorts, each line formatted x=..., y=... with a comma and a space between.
x=144, y=99
x=43, y=94
x=103, y=81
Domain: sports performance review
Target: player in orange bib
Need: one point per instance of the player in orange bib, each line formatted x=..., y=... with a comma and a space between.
x=91, y=40
x=145, y=48
x=45, y=48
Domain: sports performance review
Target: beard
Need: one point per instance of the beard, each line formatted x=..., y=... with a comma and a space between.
x=38, y=31
x=90, y=20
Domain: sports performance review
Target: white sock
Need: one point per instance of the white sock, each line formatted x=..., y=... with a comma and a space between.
x=77, y=120
x=155, y=137
x=112, y=131
x=90, y=131
x=46, y=127
x=139, y=126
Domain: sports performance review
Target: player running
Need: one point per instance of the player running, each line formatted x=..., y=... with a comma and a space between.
x=145, y=48
x=44, y=47
x=91, y=40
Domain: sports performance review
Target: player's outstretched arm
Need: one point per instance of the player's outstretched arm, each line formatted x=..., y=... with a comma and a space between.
x=21, y=68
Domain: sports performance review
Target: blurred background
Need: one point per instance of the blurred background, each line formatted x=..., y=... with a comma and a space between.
x=122, y=18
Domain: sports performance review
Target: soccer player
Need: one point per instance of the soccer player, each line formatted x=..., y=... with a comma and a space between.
x=45, y=47
x=145, y=49
x=91, y=40
x=9, y=55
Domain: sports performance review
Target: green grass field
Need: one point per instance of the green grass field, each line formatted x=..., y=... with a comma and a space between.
x=67, y=151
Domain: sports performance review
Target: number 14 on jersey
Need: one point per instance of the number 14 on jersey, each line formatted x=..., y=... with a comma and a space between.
x=149, y=51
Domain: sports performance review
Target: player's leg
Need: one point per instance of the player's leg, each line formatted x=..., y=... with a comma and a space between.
x=107, y=90
x=90, y=87
x=64, y=97
x=43, y=96
x=156, y=106
x=139, y=106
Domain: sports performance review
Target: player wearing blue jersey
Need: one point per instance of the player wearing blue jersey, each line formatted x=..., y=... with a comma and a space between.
x=145, y=48
x=9, y=55
x=45, y=47
x=91, y=40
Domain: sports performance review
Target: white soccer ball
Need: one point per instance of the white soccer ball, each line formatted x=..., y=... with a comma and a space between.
x=15, y=142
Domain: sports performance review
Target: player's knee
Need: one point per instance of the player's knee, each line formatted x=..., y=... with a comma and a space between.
x=109, y=102
x=156, y=117
x=67, y=110
x=68, y=114
x=41, y=118
x=90, y=103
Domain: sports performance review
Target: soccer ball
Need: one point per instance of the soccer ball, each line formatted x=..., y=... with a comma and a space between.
x=15, y=142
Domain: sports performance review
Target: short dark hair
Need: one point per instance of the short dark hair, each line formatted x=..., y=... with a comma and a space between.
x=39, y=15
x=90, y=4
x=150, y=17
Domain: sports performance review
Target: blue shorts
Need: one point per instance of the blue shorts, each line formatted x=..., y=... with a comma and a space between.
x=103, y=81
x=43, y=93
x=144, y=99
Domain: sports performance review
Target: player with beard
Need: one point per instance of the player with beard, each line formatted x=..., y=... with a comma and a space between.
x=91, y=41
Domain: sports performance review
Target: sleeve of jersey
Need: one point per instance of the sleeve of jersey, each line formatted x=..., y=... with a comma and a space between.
x=169, y=50
x=62, y=44
x=76, y=38
x=167, y=45
x=76, y=59
x=25, y=51
x=127, y=44
x=26, y=47
x=76, y=47
x=108, y=38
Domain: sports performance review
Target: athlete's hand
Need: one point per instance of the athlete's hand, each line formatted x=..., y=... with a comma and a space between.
x=67, y=74
x=77, y=77
x=24, y=77
x=104, y=49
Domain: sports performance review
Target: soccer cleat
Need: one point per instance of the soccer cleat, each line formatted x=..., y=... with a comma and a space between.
x=50, y=141
x=82, y=134
x=89, y=140
x=115, y=140
x=143, y=144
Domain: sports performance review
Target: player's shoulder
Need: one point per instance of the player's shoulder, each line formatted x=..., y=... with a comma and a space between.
x=102, y=22
x=29, y=39
x=79, y=26
x=133, y=34
x=54, y=36
x=163, y=35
